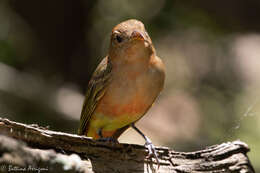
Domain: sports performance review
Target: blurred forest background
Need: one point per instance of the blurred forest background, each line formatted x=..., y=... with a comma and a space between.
x=49, y=49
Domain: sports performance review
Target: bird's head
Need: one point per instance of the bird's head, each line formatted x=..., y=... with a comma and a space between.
x=130, y=42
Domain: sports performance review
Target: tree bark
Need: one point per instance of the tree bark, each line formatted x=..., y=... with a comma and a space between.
x=96, y=156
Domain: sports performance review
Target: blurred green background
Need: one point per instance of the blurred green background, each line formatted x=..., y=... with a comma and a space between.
x=49, y=49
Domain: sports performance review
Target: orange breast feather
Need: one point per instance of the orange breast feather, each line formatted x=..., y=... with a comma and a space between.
x=114, y=108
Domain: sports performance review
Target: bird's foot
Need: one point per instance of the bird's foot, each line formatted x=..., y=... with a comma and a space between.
x=151, y=151
x=148, y=143
x=108, y=139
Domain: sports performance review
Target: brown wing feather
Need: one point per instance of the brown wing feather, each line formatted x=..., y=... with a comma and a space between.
x=95, y=91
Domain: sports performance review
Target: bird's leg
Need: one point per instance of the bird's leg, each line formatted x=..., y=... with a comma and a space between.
x=105, y=139
x=148, y=144
x=100, y=133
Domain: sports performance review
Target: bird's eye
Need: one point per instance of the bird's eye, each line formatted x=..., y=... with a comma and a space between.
x=119, y=39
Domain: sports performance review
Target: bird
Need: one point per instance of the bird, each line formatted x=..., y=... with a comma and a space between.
x=124, y=85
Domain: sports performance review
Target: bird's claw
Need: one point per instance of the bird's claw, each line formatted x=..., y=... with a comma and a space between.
x=152, y=152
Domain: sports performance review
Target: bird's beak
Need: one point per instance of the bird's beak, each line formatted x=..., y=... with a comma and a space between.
x=136, y=35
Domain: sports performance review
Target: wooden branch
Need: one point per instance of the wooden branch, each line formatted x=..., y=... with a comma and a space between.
x=15, y=156
x=108, y=157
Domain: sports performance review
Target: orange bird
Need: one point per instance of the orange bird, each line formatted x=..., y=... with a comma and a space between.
x=124, y=85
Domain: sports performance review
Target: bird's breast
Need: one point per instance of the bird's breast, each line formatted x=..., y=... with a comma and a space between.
x=130, y=93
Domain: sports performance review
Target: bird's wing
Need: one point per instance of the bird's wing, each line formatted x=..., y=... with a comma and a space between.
x=96, y=90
